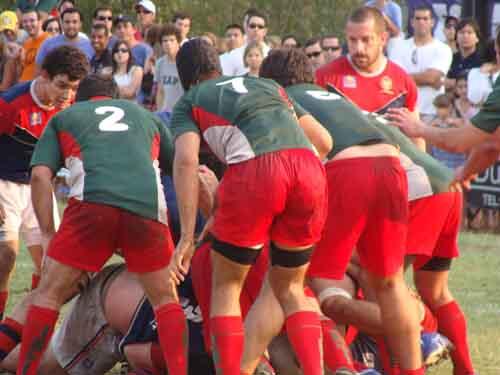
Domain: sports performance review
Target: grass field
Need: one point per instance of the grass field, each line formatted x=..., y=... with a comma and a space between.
x=474, y=280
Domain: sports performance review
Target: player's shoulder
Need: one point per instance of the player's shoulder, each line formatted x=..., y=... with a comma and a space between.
x=17, y=92
x=396, y=71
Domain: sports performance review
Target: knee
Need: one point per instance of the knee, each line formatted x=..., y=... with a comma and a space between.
x=8, y=256
x=435, y=297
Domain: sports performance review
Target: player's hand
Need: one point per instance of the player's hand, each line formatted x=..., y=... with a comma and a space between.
x=181, y=259
x=406, y=121
x=2, y=214
x=461, y=181
x=13, y=50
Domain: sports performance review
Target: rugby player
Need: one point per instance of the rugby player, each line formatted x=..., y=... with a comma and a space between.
x=99, y=141
x=25, y=110
x=273, y=189
x=367, y=207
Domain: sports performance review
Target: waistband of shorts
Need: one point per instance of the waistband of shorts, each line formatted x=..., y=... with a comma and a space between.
x=364, y=161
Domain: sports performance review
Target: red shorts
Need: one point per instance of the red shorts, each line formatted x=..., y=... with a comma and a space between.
x=368, y=209
x=433, y=227
x=279, y=196
x=201, y=276
x=90, y=233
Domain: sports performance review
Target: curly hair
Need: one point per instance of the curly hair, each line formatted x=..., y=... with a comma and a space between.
x=195, y=58
x=67, y=60
x=287, y=67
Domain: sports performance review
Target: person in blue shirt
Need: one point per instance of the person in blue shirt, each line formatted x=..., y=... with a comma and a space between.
x=392, y=14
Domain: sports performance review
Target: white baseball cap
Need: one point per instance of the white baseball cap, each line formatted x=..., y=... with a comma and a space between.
x=147, y=4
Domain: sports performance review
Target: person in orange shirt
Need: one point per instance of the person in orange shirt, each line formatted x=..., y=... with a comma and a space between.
x=32, y=23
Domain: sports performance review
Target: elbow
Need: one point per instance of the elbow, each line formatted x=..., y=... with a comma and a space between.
x=324, y=147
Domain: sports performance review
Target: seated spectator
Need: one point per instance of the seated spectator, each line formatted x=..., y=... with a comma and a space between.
x=169, y=87
x=8, y=66
x=253, y=57
x=480, y=80
x=450, y=32
x=102, y=61
x=312, y=48
x=126, y=74
x=445, y=118
x=290, y=41
x=468, y=55
x=332, y=49
x=52, y=26
x=182, y=21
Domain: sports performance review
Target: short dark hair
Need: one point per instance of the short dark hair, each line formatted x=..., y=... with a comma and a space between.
x=258, y=14
x=170, y=29
x=422, y=8
x=45, y=23
x=100, y=26
x=31, y=10
x=72, y=11
x=66, y=60
x=96, y=85
x=364, y=14
x=287, y=67
x=235, y=26
x=290, y=36
x=195, y=58
x=442, y=101
x=106, y=8
x=312, y=41
x=469, y=22
x=181, y=16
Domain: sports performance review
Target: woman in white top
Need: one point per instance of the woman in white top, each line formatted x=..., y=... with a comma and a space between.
x=127, y=76
x=481, y=80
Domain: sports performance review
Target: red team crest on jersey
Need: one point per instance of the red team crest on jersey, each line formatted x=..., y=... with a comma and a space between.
x=349, y=82
x=386, y=85
x=35, y=119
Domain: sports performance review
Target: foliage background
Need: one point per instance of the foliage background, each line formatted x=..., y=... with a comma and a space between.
x=304, y=18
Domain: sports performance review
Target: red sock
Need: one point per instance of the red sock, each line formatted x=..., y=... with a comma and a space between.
x=35, y=279
x=159, y=365
x=304, y=333
x=4, y=296
x=452, y=324
x=173, y=337
x=37, y=332
x=419, y=371
x=10, y=335
x=335, y=350
x=227, y=344
x=429, y=322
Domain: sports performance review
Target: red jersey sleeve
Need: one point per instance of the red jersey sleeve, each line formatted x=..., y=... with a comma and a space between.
x=7, y=118
x=411, y=98
x=320, y=78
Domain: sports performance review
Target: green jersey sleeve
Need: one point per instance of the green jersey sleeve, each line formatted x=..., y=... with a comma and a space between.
x=47, y=151
x=182, y=120
x=299, y=110
x=488, y=118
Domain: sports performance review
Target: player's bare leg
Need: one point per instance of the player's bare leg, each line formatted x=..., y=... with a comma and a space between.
x=36, y=252
x=433, y=288
x=8, y=254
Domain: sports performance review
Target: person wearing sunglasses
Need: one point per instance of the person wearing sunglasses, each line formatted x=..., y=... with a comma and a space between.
x=330, y=44
x=146, y=12
x=312, y=49
x=104, y=15
x=126, y=74
x=52, y=26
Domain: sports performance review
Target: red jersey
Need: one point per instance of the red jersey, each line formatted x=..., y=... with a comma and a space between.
x=391, y=88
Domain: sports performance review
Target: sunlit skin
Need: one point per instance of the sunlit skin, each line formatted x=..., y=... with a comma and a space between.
x=71, y=25
x=125, y=31
x=99, y=40
x=183, y=25
x=59, y=91
x=253, y=60
x=256, y=29
x=365, y=45
x=467, y=40
x=104, y=17
x=331, y=48
x=317, y=60
x=422, y=23
x=31, y=24
x=234, y=38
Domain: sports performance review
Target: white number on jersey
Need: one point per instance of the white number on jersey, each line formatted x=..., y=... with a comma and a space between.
x=237, y=83
x=323, y=95
x=111, y=123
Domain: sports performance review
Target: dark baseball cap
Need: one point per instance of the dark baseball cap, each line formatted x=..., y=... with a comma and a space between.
x=123, y=18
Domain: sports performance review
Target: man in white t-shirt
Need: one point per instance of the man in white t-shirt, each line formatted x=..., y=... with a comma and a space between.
x=426, y=59
x=256, y=27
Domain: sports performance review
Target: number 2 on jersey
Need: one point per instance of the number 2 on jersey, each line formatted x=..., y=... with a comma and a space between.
x=111, y=123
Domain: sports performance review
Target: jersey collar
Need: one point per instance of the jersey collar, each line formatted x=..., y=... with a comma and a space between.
x=36, y=99
x=364, y=74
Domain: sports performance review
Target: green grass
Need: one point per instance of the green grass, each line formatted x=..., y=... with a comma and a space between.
x=474, y=280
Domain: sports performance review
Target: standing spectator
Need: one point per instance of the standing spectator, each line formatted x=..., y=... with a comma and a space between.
x=392, y=15
x=330, y=44
x=65, y=4
x=146, y=13
x=71, y=24
x=273, y=41
x=450, y=32
x=256, y=26
x=312, y=49
x=32, y=23
x=253, y=57
x=126, y=74
x=169, y=87
x=182, y=21
x=44, y=7
x=8, y=67
x=125, y=30
x=290, y=41
x=468, y=55
x=480, y=80
x=102, y=61
x=104, y=15
x=9, y=28
x=426, y=59
x=234, y=36
x=52, y=26
x=210, y=38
